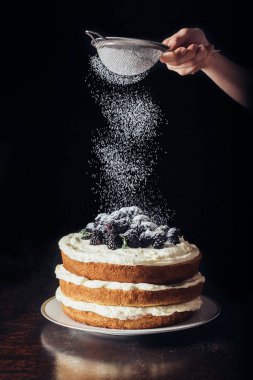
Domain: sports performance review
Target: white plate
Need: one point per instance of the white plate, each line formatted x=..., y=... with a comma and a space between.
x=52, y=310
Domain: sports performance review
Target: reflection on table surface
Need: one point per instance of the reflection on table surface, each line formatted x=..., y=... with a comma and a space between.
x=80, y=355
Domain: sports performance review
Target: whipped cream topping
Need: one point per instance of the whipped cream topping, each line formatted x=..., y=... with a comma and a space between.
x=81, y=250
x=127, y=312
x=64, y=274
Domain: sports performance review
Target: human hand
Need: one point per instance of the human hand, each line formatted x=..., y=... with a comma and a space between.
x=190, y=51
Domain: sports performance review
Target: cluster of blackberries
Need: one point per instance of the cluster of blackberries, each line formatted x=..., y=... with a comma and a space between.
x=129, y=227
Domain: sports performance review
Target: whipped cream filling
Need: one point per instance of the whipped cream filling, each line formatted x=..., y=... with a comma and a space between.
x=81, y=250
x=127, y=312
x=64, y=274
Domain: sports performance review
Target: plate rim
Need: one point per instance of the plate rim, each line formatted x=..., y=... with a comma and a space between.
x=132, y=332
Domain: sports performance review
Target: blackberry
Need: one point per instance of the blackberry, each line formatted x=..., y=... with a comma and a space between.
x=105, y=237
x=135, y=226
x=115, y=215
x=104, y=233
x=101, y=218
x=96, y=238
x=147, y=226
x=172, y=236
x=146, y=239
x=159, y=238
x=100, y=227
x=133, y=211
x=114, y=241
x=131, y=239
x=123, y=211
x=164, y=228
x=117, y=226
x=108, y=227
x=121, y=226
x=137, y=222
x=90, y=227
x=140, y=218
x=159, y=241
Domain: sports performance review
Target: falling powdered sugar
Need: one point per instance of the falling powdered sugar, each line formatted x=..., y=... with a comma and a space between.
x=125, y=150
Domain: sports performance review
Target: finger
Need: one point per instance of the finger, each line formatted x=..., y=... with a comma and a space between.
x=185, y=70
x=191, y=67
x=173, y=56
x=209, y=53
x=202, y=58
x=189, y=55
x=192, y=57
x=201, y=52
x=166, y=41
x=178, y=39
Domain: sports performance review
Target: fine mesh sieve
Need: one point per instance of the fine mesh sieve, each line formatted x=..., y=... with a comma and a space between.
x=127, y=56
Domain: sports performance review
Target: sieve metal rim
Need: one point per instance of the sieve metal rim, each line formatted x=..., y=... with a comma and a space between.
x=121, y=42
x=124, y=42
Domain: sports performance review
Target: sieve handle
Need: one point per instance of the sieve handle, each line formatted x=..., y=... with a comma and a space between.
x=90, y=34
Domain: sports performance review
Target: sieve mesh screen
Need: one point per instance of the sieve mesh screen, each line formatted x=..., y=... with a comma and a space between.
x=128, y=61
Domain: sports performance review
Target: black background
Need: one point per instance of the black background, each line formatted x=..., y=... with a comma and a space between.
x=48, y=117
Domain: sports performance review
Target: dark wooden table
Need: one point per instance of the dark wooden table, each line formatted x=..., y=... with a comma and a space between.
x=33, y=348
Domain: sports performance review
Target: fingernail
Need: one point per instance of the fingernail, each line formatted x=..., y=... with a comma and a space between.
x=171, y=46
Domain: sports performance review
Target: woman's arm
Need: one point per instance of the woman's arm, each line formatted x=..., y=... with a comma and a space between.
x=233, y=79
